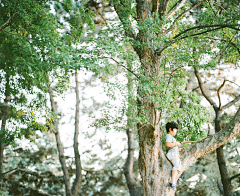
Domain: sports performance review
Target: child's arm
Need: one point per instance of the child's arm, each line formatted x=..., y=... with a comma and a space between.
x=170, y=144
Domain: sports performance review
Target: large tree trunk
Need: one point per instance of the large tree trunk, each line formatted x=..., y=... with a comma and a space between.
x=154, y=168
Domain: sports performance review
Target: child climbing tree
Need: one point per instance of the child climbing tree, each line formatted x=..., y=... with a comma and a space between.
x=161, y=41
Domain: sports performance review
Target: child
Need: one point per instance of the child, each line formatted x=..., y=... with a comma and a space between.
x=173, y=151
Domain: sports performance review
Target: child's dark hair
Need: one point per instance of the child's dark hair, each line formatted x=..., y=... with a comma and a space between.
x=171, y=125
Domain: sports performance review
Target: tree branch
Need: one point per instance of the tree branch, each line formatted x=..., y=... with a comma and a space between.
x=177, y=6
x=160, y=50
x=207, y=31
x=212, y=142
x=233, y=82
x=213, y=38
x=211, y=8
x=218, y=91
x=9, y=32
x=235, y=176
x=231, y=103
x=181, y=15
x=123, y=66
x=1, y=27
x=220, y=26
x=122, y=8
x=163, y=8
x=202, y=88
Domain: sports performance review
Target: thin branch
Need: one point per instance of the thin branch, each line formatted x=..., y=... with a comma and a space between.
x=123, y=67
x=16, y=156
x=120, y=8
x=213, y=38
x=174, y=6
x=9, y=32
x=1, y=27
x=231, y=103
x=163, y=7
x=102, y=170
x=207, y=26
x=233, y=83
x=219, y=94
x=199, y=33
x=211, y=8
x=177, y=7
x=235, y=176
x=191, y=141
x=160, y=50
x=202, y=88
x=10, y=171
x=180, y=16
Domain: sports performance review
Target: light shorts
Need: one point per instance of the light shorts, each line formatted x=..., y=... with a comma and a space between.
x=175, y=160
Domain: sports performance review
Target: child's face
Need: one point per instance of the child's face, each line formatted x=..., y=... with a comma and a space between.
x=173, y=131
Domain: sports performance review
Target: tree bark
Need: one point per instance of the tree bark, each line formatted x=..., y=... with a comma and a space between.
x=3, y=125
x=59, y=146
x=227, y=187
x=135, y=188
x=2, y=147
x=77, y=181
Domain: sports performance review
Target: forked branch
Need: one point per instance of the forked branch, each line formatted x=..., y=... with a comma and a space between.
x=203, y=89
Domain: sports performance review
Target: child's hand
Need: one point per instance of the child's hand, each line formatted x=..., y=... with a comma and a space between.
x=181, y=149
x=177, y=143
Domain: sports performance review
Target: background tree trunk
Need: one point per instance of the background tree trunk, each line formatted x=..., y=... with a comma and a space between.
x=60, y=148
x=135, y=188
x=227, y=187
x=4, y=114
x=77, y=181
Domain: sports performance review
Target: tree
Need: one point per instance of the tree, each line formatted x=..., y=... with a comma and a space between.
x=161, y=40
x=29, y=40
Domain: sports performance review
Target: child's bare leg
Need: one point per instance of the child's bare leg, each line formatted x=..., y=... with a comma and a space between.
x=173, y=178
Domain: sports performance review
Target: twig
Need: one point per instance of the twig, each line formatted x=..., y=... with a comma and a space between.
x=211, y=8
x=219, y=94
x=181, y=15
x=10, y=32
x=10, y=171
x=233, y=83
x=235, y=176
x=123, y=66
x=207, y=26
x=7, y=21
x=191, y=141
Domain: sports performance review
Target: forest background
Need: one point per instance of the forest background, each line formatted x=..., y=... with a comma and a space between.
x=153, y=62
